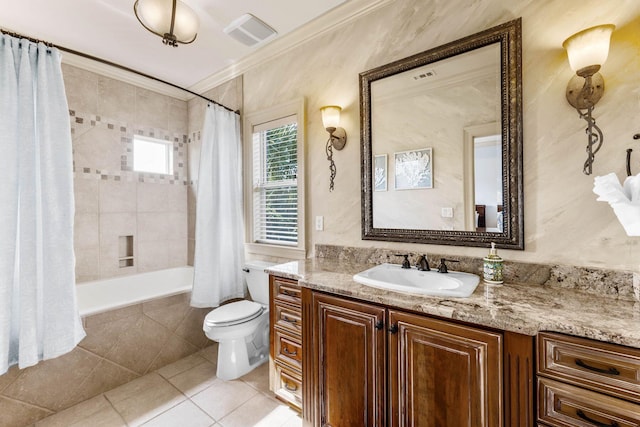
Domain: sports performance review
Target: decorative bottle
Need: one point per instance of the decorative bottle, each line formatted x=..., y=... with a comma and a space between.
x=493, y=265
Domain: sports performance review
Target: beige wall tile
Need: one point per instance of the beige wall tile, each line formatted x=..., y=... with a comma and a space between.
x=103, y=336
x=98, y=148
x=152, y=255
x=86, y=230
x=191, y=327
x=105, y=377
x=112, y=227
x=81, y=88
x=113, y=315
x=152, y=109
x=87, y=194
x=170, y=316
x=153, y=197
x=19, y=414
x=116, y=100
x=174, y=349
x=139, y=345
x=118, y=196
x=9, y=377
x=162, y=226
x=40, y=384
x=87, y=264
x=177, y=252
x=178, y=116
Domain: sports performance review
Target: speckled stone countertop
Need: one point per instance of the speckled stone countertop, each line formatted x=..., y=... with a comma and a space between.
x=518, y=307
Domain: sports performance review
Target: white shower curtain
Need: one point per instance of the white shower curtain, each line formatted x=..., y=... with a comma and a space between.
x=38, y=311
x=219, y=251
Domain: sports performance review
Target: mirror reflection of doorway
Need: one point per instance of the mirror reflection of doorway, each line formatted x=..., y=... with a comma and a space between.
x=483, y=178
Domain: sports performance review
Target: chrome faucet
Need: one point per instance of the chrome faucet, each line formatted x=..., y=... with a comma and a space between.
x=423, y=264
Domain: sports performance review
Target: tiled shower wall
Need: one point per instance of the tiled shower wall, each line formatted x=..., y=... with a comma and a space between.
x=111, y=199
x=228, y=94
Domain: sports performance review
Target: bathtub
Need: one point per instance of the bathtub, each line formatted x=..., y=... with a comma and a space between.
x=109, y=294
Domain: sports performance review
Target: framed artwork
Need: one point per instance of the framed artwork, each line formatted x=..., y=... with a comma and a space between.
x=380, y=172
x=414, y=169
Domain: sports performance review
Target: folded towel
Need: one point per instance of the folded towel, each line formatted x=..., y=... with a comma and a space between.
x=624, y=199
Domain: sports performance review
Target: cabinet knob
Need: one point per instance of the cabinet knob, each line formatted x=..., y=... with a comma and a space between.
x=393, y=328
x=379, y=325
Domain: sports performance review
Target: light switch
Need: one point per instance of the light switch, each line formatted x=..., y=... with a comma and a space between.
x=319, y=223
x=447, y=213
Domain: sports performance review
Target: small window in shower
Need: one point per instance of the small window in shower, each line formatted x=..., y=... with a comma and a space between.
x=152, y=155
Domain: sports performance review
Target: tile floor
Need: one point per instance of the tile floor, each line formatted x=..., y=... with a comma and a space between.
x=186, y=393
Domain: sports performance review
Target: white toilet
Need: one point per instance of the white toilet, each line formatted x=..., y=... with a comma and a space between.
x=242, y=328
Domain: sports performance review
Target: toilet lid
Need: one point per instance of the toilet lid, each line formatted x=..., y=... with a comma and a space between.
x=234, y=313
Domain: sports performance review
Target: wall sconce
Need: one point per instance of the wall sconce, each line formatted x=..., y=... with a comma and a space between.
x=172, y=20
x=587, y=51
x=337, y=136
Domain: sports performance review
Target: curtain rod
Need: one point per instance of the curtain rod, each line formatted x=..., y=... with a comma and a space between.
x=113, y=64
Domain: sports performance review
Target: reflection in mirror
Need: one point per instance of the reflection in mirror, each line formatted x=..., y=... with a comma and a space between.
x=429, y=108
x=442, y=144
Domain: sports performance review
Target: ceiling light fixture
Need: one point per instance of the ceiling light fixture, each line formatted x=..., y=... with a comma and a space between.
x=172, y=20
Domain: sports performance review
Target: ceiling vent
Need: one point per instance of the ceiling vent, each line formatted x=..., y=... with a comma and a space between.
x=249, y=30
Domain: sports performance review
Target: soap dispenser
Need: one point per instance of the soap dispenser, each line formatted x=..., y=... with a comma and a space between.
x=493, y=265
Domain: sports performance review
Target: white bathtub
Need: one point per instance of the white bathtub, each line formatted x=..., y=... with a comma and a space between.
x=103, y=295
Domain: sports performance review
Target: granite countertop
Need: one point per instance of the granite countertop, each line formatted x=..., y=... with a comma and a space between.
x=517, y=307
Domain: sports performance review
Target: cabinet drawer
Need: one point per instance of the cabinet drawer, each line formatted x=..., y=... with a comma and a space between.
x=565, y=405
x=288, y=350
x=287, y=291
x=288, y=386
x=288, y=318
x=603, y=367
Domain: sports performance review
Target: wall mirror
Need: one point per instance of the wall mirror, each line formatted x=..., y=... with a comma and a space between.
x=442, y=144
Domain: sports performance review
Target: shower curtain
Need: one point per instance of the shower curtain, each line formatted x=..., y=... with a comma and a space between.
x=219, y=251
x=38, y=312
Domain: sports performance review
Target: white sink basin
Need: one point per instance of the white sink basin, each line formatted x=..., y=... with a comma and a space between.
x=394, y=277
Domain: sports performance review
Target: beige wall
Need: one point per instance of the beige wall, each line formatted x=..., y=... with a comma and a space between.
x=563, y=222
x=111, y=199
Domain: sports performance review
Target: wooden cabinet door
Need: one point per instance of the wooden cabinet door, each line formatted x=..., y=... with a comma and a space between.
x=442, y=374
x=349, y=342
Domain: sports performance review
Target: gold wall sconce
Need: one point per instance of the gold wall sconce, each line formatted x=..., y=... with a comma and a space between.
x=587, y=51
x=337, y=136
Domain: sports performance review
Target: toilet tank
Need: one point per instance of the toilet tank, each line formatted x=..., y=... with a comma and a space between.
x=258, y=280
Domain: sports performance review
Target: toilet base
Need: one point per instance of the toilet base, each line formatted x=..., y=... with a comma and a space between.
x=237, y=357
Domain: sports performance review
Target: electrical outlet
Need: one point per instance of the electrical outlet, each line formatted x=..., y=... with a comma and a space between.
x=319, y=223
x=447, y=213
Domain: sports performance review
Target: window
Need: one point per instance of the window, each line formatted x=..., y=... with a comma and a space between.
x=152, y=155
x=275, y=184
x=275, y=188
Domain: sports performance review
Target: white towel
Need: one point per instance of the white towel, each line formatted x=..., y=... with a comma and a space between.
x=624, y=199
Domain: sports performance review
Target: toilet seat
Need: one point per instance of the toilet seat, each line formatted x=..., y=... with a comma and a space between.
x=233, y=314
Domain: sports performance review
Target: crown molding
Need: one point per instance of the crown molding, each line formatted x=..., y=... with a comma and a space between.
x=335, y=18
x=329, y=21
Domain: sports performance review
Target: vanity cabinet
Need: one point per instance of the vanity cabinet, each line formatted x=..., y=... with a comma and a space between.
x=370, y=365
x=285, y=335
x=582, y=382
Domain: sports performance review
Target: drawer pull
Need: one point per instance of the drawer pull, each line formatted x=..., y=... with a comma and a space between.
x=289, y=293
x=286, y=351
x=289, y=320
x=594, y=422
x=294, y=387
x=610, y=371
